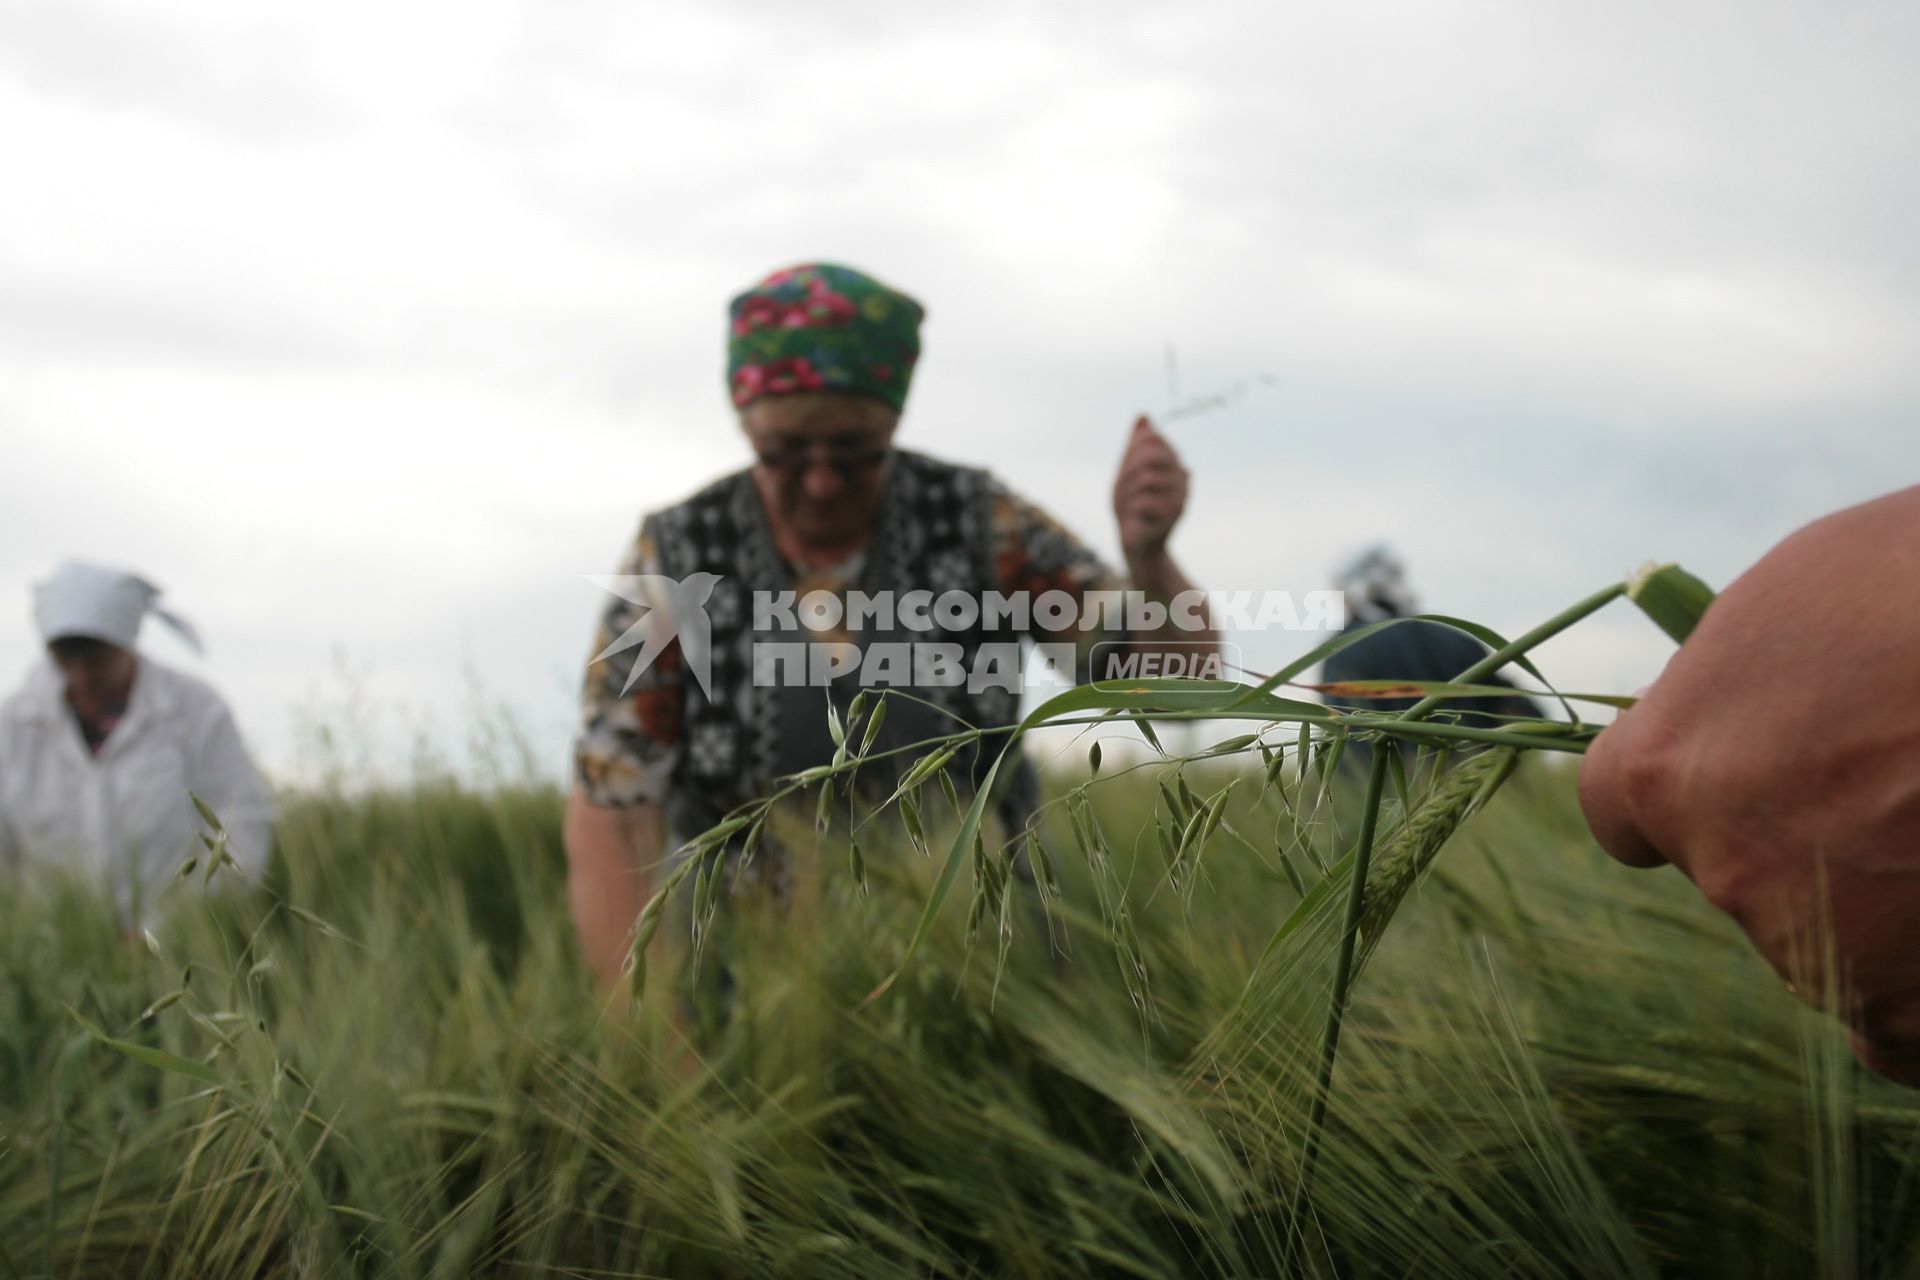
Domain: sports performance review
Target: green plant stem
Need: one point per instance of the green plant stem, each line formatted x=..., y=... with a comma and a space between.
x=1392, y=728
x=1514, y=649
x=1357, y=890
x=1336, y=1012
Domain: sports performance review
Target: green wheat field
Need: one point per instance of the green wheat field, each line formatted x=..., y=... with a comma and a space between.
x=388, y=1061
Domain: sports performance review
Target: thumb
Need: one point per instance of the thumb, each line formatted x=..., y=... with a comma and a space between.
x=1607, y=782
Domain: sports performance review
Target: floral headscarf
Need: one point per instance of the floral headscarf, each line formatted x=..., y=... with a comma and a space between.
x=821, y=327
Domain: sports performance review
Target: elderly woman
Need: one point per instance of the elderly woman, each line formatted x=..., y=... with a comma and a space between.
x=101, y=748
x=698, y=696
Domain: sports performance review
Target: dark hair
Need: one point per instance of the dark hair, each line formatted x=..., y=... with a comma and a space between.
x=81, y=648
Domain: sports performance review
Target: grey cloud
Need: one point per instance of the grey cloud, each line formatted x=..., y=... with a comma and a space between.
x=1454, y=236
x=1693, y=137
x=242, y=81
x=69, y=318
x=591, y=353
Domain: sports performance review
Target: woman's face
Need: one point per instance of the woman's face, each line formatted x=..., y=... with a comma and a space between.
x=99, y=675
x=822, y=464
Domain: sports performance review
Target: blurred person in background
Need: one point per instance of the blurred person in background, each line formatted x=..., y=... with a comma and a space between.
x=819, y=361
x=1376, y=590
x=101, y=748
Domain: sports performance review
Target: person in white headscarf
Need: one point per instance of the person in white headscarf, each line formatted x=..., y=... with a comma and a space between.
x=103, y=750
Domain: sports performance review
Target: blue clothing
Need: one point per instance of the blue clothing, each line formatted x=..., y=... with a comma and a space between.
x=1428, y=651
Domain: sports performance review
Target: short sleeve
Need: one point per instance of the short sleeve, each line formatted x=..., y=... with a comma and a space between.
x=1034, y=553
x=630, y=722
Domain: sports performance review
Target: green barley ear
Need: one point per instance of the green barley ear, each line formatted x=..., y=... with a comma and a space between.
x=1402, y=861
x=1671, y=596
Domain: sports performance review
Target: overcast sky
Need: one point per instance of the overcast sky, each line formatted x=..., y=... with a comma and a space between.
x=368, y=329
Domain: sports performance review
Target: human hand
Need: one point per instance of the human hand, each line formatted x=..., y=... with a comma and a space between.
x=1776, y=762
x=1149, y=494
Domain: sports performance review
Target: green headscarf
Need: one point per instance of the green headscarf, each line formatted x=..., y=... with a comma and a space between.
x=821, y=327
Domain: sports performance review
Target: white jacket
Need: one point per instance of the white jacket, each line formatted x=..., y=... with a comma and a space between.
x=124, y=817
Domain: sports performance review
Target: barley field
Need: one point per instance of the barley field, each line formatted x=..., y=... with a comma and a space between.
x=388, y=1061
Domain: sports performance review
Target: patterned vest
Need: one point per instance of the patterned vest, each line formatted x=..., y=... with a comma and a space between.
x=933, y=533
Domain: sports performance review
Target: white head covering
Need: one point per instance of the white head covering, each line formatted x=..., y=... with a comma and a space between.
x=1375, y=584
x=101, y=604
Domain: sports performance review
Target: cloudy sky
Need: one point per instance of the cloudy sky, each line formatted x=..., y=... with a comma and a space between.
x=368, y=329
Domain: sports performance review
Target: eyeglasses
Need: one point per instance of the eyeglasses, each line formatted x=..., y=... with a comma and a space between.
x=791, y=459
